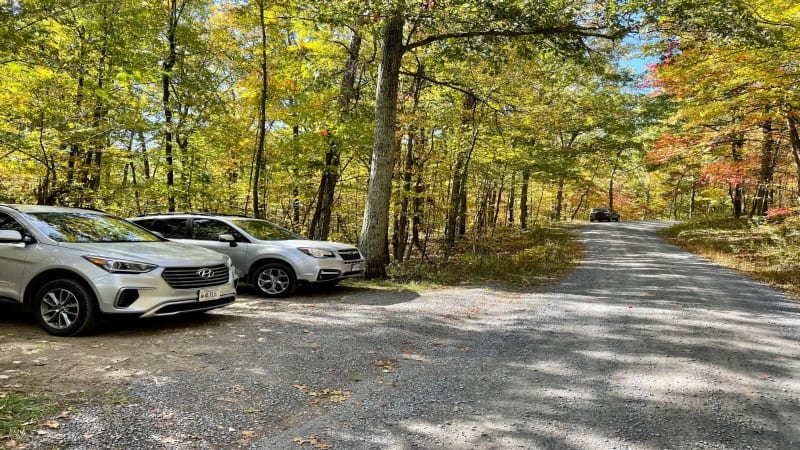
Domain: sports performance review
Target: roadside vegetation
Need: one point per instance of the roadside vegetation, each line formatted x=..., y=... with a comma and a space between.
x=508, y=256
x=767, y=250
x=21, y=413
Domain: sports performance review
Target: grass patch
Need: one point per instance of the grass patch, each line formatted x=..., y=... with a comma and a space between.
x=509, y=256
x=20, y=413
x=766, y=251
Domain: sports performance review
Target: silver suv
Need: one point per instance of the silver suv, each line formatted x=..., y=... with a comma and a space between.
x=271, y=258
x=70, y=266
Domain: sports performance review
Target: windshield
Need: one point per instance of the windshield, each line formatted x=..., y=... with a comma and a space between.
x=89, y=227
x=265, y=231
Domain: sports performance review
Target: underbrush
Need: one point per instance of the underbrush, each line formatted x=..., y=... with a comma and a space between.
x=518, y=258
x=766, y=250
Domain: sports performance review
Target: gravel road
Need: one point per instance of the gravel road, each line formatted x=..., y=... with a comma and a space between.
x=643, y=347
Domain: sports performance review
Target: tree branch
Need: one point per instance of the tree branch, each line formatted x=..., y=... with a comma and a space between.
x=553, y=30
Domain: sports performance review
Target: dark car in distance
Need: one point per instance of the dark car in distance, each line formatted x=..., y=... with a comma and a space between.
x=603, y=215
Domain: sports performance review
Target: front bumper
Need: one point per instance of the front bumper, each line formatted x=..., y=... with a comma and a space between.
x=149, y=295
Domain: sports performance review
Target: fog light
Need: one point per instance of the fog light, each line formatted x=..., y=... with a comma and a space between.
x=127, y=297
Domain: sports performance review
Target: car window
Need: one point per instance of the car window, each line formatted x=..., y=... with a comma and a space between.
x=172, y=228
x=88, y=227
x=210, y=229
x=8, y=223
x=265, y=231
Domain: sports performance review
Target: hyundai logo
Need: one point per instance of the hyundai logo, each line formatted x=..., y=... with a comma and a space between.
x=205, y=273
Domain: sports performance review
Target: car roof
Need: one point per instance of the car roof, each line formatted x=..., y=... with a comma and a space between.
x=193, y=215
x=49, y=208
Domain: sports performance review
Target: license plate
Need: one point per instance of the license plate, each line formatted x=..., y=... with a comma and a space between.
x=205, y=295
x=356, y=266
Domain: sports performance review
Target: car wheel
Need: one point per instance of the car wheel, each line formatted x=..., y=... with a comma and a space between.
x=65, y=307
x=274, y=280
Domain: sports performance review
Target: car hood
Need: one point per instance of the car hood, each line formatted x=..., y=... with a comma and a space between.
x=165, y=254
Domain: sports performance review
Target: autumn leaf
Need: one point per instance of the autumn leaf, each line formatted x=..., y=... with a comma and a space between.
x=314, y=441
x=387, y=365
x=332, y=395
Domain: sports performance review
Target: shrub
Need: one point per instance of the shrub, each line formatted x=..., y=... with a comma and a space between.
x=778, y=215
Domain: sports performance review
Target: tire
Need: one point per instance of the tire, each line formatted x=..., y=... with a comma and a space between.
x=65, y=307
x=274, y=280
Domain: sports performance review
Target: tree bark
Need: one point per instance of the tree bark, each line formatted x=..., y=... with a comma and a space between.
x=768, y=153
x=523, y=199
x=559, y=200
x=374, y=239
x=175, y=11
x=793, y=123
x=261, y=132
x=511, y=199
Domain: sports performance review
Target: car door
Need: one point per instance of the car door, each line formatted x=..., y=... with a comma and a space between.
x=13, y=259
x=205, y=232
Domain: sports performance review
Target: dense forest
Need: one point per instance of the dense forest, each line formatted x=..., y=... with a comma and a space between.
x=395, y=123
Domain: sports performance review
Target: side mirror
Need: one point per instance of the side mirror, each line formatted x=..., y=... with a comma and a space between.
x=227, y=238
x=12, y=236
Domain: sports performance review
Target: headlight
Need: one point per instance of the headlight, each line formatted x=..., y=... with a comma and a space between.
x=119, y=265
x=317, y=252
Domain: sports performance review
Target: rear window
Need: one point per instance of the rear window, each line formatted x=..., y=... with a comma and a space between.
x=265, y=231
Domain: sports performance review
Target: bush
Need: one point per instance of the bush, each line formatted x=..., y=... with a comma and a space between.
x=778, y=215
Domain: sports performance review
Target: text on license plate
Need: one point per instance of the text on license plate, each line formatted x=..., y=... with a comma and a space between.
x=204, y=295
x=356, y=266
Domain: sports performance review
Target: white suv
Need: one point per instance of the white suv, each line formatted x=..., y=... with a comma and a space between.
x=273, y=259
x=71, y=265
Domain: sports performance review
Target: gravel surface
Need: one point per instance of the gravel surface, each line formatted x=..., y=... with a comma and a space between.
x=643, y=347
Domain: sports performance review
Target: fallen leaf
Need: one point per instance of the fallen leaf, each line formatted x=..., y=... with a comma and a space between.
x=51, y=424
x=388, y=365
x=300, y=387
x=247, y=434
x=332, y=395
x=314, y=441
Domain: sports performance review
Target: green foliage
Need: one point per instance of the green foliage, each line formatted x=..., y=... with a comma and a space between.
x=21, y=413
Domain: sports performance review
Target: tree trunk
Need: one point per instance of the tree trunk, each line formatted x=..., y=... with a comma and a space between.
x=261, y=131
x=768, y=154
x=374, y=239
x=511, y=199
x=419, y=188
x=523, y=199
x=793, y=123
x=455, y=201
x=559, y=200
x=175, y=11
